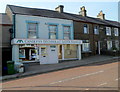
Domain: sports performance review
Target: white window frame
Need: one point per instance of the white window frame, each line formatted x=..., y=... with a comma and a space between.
x=67, y=32
x=117, y=44
x=96, y=30
x=86, y=42
x=116, y=32
x=51, y=31
x=32, y=30
x=108, y=31
x=86, y=29
x=109, y=45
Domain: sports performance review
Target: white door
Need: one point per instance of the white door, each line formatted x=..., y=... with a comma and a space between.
x=43, y=55
x=53, y=54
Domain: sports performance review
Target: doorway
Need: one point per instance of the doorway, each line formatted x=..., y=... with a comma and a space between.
x=48, y=54
x=97, y=47
x=43, y=55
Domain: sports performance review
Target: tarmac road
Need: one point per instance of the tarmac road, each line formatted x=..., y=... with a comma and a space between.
x=90, y=77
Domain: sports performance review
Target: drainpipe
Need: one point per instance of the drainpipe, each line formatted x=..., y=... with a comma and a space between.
x=14, y=15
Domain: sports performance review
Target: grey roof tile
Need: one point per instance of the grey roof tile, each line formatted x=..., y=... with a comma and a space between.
x=64, y=15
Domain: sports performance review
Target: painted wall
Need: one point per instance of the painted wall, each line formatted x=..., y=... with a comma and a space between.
x=43, y=22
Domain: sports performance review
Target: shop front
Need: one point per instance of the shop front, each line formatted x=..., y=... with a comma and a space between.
x=45, y=51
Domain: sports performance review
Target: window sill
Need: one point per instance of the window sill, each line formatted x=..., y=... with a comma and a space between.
x=108, y=35
x=86, y=51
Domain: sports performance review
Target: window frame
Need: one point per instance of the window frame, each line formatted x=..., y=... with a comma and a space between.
x=32, y=22
x=117, y=45
x=87, y=29
x=83, y=46
x=108, y=32
x=111, y=45
x=116, y=29
x=68, y=32
x=56, y=32
x=96, y=32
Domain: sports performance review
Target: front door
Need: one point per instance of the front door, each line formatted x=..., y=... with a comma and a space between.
x=53, y=54
x=43, y=55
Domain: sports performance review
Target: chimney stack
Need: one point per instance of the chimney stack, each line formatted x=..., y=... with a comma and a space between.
x=101, y=15
x=83, y=12
x=59, y=8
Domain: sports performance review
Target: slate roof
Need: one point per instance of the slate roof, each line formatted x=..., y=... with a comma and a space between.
x=55, y=14
x=4, y=19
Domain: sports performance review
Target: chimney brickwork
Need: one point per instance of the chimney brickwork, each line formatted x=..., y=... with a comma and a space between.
x=101, y=15
x=60, y=8
x=83, y=11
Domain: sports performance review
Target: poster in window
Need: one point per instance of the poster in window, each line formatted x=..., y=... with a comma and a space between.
x=22, y=53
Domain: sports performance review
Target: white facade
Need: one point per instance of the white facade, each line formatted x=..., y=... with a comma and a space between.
x=43, y=23
x=43, y=49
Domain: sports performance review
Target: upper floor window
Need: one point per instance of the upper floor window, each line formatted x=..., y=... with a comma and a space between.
x=108, y=31
x=53, y=31
x=109, y=45
x=32, y=30
x=96, y=30
x=116, y=32
x=86, y=46
x=66, y=32
x=86, y=29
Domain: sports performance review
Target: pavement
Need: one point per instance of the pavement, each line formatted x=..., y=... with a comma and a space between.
x=39, y=69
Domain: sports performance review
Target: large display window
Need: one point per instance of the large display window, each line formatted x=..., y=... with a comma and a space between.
x=27, y=53
x=70, y=51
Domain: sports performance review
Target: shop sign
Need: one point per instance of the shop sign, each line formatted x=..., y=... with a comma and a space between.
x=40, y=41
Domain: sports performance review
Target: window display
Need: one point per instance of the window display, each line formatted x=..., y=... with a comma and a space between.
x=70, y=51
x=22, y=53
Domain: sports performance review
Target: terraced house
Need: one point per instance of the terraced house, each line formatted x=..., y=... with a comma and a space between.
x=50, y=36
x=99, y=36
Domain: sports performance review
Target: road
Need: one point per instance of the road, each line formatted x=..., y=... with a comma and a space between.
x=92, y=77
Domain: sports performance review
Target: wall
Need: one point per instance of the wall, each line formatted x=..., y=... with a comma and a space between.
x=93, y=38
x=43, y=32
x=6, y=47
x=6, y=41
x=9, y=13
x=78, y=34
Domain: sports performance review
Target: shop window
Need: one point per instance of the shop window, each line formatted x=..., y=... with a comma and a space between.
x=86, y=29
x=53, y=31
x=33, y=54
x=86, y=46
x=44, y=51
x=32, y=30
x=109, y=45
x=22, y=53
x=116, y=32
x=66, y=32
x=96, y=30
x=108, y=31
x=27, y=52
x=70, y=51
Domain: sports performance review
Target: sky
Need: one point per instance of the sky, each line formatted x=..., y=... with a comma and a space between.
x=109, y=7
